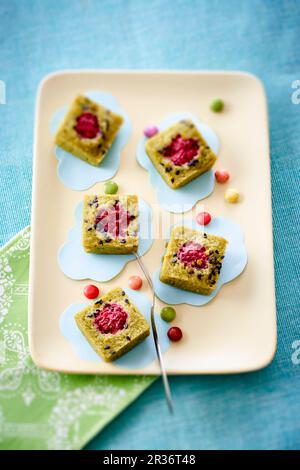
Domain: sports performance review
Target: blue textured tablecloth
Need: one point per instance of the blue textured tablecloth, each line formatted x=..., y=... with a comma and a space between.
x=257, y=410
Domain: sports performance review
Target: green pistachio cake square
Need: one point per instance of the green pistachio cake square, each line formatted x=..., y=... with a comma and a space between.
x=88, y=130
x=193, y=260
x=110, y=224
x=180, y=153
x=113, y=325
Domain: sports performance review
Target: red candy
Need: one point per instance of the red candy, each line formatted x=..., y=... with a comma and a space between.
x=203, y=218
x=91, y=291
x=135, y=282
x=175, y=333
x=222, y=176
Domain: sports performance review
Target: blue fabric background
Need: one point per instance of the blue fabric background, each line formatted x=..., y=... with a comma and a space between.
x=257, y=410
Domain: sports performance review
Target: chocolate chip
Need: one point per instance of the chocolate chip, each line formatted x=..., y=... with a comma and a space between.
x=127, y=301
x=217, y=251
x=191, y=271
x=123, y=293
x=177, y=172
x=205, y=235
x=106, y=347
x=174, y=260
x=90, y=315
x=168, y=169
x=132, y=217
x=172, y=180
x=100, y=242
x=99, y=302
x=128, y=338
x=108, y=240
x=222, y=257
x=123, y=240
x=89, y=229
x=199, y=276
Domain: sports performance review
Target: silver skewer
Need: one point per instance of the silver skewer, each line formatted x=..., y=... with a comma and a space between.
x=155, y=336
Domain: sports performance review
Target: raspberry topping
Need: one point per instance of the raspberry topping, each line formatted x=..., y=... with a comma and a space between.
x=87, y=126
x=111, y=319
x=181, y=151
x=192, y=255
x=113, y=221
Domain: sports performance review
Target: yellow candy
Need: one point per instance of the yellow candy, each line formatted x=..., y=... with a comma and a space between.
x=232, y=195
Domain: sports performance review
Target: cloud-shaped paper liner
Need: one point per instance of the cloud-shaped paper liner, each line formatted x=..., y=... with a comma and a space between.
x=77, y=174
x=77, y=264
x=233, y=264
x=181, y=199
x=140, y=356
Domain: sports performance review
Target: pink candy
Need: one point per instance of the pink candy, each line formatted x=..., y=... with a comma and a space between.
x=150, y=131
x=135, y=282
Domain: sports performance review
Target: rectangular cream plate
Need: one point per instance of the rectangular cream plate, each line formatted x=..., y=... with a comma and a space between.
x=236, y=332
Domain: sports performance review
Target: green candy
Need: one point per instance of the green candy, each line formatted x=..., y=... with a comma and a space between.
x=110, y=187
x=168, y=314
x=217, y=105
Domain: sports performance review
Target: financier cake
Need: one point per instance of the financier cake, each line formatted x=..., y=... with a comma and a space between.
x=193, y=260
x=88, y=130
x=110, y=224
x=113, y=325
x=180, y=153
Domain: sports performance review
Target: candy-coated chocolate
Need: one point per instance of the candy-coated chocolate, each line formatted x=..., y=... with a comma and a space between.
x=168, y=314
x=150, y=131
x=110, y=187
x=217, y=105
x=175, y=334
x=135, y=282
x=203, y=218
x=222, y=176
x=232, y=195
x=91, y=291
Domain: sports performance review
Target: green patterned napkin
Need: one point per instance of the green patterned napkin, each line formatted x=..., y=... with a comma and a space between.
x=40, y=409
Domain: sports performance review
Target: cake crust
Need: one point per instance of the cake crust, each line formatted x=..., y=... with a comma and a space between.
x=110, y=224
x=193, y=260
x=178, y=175
x=111, y=345
x=91, y=150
